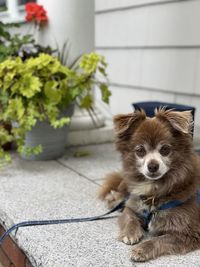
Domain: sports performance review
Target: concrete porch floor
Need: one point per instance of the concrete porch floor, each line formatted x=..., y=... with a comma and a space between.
x=63, y=189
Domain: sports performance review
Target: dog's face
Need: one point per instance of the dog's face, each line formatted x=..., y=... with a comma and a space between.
x=153, y=162
x=153, y=146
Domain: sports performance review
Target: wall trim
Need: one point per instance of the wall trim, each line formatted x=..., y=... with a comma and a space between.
x=146, y=88
x=150, y=47
x=136, y=6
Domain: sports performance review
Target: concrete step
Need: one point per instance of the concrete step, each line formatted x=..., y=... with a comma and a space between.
x=64, y=189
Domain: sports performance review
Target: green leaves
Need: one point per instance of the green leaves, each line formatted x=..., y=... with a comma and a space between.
x=5, y=157
x=38, y=88
x=23, y=150
x=93, y=66
x=59, y=123
x=52, y=91
x=4, y=33
x=15, y=110
x=10, y=43
x=5, y=136
x=105, y=92
x=81, y=153
x=86, y=101
x=29, y=85
x=89, y=62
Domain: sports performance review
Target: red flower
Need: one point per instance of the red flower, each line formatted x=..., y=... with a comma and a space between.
x=29, y=17
x=35, y=12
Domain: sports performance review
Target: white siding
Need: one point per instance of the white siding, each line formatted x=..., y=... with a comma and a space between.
x=105, y=5
x=128, y=96
x=153, y=50
x=171, y=24
x=164, y=70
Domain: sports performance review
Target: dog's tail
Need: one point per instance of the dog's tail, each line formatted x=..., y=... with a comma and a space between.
x=113, y=190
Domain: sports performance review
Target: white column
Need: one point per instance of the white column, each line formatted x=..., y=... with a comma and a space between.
x=13, y=8
x=73, y=20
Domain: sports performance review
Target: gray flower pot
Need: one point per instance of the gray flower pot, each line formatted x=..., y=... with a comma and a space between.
x=53, y=141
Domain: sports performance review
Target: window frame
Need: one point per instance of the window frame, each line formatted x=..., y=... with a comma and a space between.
x=4, y=5
x=14, y=12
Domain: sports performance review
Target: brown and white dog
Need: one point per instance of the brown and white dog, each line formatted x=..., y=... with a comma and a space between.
x=161, y=173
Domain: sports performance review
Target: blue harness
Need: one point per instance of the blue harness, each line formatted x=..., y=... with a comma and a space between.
x=147, y=215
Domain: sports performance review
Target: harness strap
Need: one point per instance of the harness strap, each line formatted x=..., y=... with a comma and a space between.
x=198, y=195
x=170, y=204
x=147, y=215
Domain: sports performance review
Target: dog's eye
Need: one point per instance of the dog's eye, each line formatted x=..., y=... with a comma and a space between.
x=140, y=151
x=165, y=150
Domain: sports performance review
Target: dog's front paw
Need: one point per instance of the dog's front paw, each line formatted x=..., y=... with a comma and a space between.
x=131, y=237
x=113, y=198
x=142, y=252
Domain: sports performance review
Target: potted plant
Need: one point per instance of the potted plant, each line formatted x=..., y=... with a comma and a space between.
x=12, y=45
x=37, y=96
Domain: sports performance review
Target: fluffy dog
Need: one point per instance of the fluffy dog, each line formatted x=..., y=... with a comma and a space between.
x=161, y=174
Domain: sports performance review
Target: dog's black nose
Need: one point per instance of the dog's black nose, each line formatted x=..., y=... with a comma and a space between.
x=153, y=166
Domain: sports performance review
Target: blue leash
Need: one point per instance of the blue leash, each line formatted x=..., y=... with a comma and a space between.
x=146, y=216
x=61, y=221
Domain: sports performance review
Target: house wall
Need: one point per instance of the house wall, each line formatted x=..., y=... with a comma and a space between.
x=153, y=50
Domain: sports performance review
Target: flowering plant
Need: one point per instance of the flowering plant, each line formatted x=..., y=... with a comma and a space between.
x=36, y=13
x=37, y=86
x=24, y=46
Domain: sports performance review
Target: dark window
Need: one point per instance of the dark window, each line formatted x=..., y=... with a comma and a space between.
x=3, y=5
x=23, y=2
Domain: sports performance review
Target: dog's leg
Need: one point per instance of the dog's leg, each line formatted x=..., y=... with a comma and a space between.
x=168, y=244
x=113, y=190
x=131, y=230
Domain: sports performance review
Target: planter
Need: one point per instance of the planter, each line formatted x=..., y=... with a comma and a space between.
x=52, y=140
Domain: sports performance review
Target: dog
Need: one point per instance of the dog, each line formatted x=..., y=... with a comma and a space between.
x=161, y=177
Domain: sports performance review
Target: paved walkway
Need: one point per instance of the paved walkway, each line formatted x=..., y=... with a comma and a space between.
x=67, y=188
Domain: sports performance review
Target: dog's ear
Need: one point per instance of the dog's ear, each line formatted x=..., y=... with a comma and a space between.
x=181, y=121
x=125, y=124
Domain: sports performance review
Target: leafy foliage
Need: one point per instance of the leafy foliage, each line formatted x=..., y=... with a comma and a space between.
x=39, y=88
x=23, y=46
